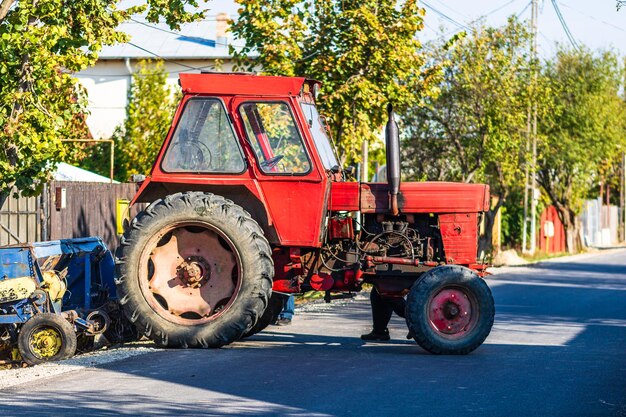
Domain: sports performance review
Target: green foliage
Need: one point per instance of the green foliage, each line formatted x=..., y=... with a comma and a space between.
x=475, y=128
x=582, y=137
x=365, y=53
x=42, y=42
x=149, y=113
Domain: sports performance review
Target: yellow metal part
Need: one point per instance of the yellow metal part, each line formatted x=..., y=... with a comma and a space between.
x=45, y=343
x=15, y=355
x=15, y=289
x=54, y=285
x=122, y=212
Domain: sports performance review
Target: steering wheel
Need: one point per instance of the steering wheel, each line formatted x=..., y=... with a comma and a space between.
x=271, y=163
x=193, y=155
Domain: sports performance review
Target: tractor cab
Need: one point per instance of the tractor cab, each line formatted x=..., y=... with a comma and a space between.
x=261, y=141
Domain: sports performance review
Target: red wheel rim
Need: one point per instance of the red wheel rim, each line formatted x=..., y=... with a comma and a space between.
x=190, y=273
x=453, y=312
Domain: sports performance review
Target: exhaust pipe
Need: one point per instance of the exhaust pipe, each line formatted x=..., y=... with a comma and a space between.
x=392, y=141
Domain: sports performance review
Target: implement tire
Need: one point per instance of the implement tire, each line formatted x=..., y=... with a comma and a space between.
x=46, y=337
x=450, y=310
x=194, y=270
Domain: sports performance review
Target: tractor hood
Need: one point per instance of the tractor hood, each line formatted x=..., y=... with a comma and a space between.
x=414, y=197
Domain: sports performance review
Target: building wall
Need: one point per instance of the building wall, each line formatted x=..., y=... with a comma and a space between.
x=600, y=223
x=107, y=86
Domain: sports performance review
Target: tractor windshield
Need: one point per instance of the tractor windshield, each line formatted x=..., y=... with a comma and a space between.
x=318, y=130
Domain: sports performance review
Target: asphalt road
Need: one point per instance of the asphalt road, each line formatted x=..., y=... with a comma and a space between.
x=558, y=348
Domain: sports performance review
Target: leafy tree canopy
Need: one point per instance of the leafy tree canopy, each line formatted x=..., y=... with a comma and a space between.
x=42, y=42
x=582, y=138
x=475, y=126
x=365, y=52
x=475, y=129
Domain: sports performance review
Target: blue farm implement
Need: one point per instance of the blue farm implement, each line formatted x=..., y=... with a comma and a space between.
x=56, y=296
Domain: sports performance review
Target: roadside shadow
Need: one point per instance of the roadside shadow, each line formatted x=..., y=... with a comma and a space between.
x=555, y=350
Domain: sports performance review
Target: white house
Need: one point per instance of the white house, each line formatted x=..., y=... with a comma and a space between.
x=197, y=46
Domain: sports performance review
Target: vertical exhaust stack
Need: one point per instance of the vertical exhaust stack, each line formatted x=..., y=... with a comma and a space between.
x=392, y=141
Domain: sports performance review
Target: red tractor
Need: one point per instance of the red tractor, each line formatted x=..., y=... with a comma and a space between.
x=249, y=204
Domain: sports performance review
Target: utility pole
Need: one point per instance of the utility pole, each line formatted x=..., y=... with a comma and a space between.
x=534, y=194
x=622, y=197
x=365, y=165
x=530, y=181
x=526, y=185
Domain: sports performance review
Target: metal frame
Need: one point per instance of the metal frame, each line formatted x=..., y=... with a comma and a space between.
x=112, y=155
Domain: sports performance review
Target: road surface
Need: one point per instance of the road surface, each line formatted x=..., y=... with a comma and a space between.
x=558, y=348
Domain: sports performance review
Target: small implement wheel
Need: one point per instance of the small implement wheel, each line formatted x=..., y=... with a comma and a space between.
x=275, y=306
x=450, y=310
x=194, y=270
x=46, y=337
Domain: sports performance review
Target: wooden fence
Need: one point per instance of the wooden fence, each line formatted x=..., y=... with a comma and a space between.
x=20, y=220
x=67, y=210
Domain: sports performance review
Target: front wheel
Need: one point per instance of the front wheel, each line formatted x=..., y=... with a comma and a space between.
x=450, y=310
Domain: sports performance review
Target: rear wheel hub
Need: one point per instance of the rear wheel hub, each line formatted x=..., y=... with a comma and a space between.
x=46, y=343
x=195, y=271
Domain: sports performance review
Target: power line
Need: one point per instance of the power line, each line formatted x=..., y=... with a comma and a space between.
x=445, y=16
x=91, y=75
x=208, y=42
x=524, y=9
x=443, y=4
x=497, y=9
x=164, y=59
x=593, y=18
x=564, y=25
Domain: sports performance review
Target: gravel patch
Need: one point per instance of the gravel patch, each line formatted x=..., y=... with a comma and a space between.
x=17, y=376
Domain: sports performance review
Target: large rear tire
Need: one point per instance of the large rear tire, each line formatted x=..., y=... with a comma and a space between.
x=194, y=270
x=450, y=310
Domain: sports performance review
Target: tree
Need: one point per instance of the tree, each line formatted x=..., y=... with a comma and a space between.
x=365, y=53
x=475, y=129
x=149, y=112
x=583, y=137
x=42, y=42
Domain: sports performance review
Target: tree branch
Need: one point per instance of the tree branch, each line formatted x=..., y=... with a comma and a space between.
x=5, y=5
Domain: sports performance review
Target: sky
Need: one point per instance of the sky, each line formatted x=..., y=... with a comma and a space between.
x=596, y=24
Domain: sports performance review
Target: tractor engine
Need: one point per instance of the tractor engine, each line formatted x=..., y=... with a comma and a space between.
x=383, y=249
x=414, y=237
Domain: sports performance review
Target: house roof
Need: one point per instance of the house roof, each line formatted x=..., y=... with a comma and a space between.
x=195, y=40
x=66, y=172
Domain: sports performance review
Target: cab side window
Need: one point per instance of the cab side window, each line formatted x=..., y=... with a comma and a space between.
x=272, y=132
